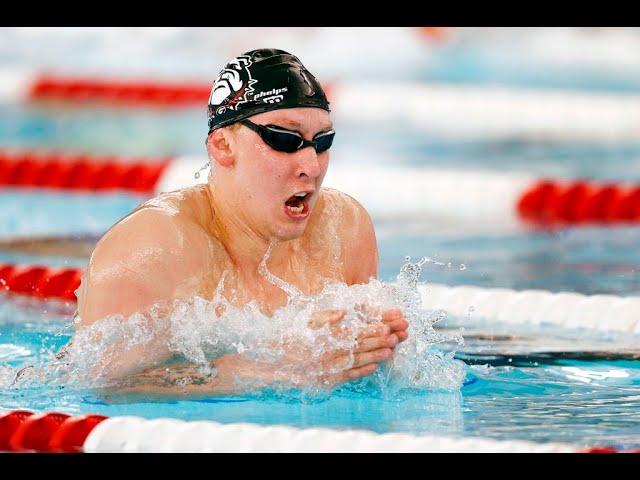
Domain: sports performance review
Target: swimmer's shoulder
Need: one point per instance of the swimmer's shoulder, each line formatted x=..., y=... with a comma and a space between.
x=165, y=230
x=355, y=231
x=158, y=253
x=336, y=203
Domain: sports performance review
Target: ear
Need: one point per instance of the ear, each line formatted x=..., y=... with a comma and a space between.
x=219, y=148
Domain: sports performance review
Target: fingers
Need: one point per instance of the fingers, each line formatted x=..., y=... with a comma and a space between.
x=352, y=374
x=395, y=319
x=373, y=356
x=323, y=317
x=343, y=361
x=376, y=330
x=374, y=343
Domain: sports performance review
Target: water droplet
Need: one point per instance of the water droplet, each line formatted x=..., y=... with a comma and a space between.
x=203, y=167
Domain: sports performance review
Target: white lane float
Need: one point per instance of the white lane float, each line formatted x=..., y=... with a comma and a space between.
x=397, y=193
x=55, y=432
x=436, y=109
x=134, y=434
x=531, y=307
x=606, y=313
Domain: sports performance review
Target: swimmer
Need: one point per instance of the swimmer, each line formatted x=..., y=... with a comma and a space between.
x=268, y=143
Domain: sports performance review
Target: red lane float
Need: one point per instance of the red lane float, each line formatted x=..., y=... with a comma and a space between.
x=79, y=171
x=48, y=87
x=531, y=307
x=459, y=111
x=122, y=92
x=39, y=281
x=53, y=432
x=577, y=202
x=24, y=431
x=425, y=192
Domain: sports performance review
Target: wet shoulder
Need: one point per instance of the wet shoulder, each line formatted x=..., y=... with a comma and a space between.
x=165, y=229
x=354, y=228
x=337, y=204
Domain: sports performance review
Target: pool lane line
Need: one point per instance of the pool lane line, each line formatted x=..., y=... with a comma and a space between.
x=57, y=170
x=534, y=307
x=462, y=111
x=528, y=307
x=386, y=192
x=54, y=432
x=40, y=281
x=50, y=432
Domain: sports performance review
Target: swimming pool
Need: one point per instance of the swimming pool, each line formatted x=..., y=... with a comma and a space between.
x=542, y=384
x=549, y=385
x=539, y=383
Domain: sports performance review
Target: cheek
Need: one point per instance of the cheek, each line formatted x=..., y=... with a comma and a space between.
x=268, y=173
x=323, y=160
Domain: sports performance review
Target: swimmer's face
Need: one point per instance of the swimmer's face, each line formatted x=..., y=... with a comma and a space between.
x=280, y=189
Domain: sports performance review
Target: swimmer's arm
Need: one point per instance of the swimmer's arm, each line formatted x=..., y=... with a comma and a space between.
x=237, y=374
x=361, y=259
x=148, y=259
x=230, y=375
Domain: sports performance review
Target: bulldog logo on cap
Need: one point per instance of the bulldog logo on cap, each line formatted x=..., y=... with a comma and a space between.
x=233, y=85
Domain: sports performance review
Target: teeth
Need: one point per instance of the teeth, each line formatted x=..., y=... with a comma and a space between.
x=300, y=195
x=296, y=209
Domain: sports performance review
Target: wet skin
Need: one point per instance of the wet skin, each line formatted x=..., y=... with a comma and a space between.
x=180, y=244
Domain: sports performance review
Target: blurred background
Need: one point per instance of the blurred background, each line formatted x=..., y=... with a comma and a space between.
x=442, y=133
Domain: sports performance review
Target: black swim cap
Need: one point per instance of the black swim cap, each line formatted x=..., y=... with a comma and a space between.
x=260, y=81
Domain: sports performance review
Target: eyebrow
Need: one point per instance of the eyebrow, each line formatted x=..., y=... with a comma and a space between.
x=294, y=124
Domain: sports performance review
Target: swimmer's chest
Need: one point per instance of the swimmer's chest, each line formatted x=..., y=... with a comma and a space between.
x=271, y=289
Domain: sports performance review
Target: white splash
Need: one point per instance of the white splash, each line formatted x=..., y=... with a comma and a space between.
x=201, y=330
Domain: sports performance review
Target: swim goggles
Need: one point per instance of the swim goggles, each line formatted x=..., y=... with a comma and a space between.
x=290, y=141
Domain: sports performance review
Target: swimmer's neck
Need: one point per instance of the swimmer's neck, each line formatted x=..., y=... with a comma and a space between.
x=245, y=246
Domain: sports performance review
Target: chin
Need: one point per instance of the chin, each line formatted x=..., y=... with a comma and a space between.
x=290, y=232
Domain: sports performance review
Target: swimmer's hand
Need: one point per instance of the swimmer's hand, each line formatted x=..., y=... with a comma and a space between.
x=372, y=343
x=235, y=373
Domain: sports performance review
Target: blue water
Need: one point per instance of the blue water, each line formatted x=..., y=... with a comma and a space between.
x=160, y=132
x=492, y=57
x=516, y=387
x=588, y=260
x=513, y=389
x=521, y=382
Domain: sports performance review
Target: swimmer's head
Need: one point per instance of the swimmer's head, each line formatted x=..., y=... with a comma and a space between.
x=269, y=139
x=260, y=81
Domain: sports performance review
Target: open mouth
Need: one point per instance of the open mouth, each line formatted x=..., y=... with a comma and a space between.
x=298, y=205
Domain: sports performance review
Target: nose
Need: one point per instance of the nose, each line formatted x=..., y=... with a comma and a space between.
x=307, y=163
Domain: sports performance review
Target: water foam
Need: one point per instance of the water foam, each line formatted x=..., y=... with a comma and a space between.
x=200, y=330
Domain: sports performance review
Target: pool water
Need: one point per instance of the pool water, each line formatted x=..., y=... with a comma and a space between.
x=558, y=385
x=539, y=384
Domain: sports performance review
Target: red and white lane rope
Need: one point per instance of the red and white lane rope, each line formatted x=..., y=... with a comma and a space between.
x=65, y=171
x=536, y=307
x=532, y=307
x=40, y=281
x=19, y=86
x=131, y=434
x=467, y=111
x=399, y=192
x=24, y=431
